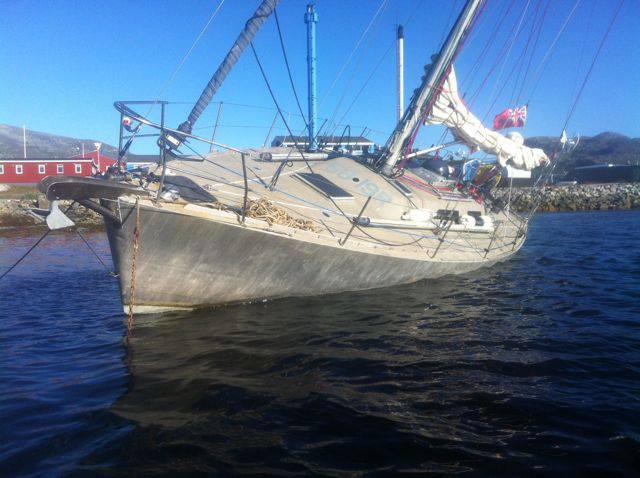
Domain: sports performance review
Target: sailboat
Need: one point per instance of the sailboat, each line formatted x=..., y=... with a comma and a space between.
x=242, y=225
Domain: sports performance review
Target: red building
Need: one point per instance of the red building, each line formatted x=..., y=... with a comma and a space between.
x=33, y=170
x=100, y=161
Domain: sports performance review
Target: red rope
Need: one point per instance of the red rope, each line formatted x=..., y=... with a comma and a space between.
x=428, y=188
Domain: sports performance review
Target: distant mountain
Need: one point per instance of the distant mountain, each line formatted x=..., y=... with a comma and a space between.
x=606, y=147
x=45, y=145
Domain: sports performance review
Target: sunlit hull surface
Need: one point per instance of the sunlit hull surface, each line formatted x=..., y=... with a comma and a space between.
x=186, y=262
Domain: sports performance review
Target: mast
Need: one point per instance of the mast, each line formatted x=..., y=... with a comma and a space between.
x=400, y=70
x=311, y=18
x=426, y=93
x=244, y=39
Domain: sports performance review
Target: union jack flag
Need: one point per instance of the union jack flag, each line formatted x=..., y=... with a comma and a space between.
x=510, y=118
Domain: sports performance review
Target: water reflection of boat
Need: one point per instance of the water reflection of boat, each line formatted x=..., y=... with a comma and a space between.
x=255, y=388
x=241, y=360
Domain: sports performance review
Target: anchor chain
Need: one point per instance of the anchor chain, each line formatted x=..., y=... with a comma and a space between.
x=134, y=256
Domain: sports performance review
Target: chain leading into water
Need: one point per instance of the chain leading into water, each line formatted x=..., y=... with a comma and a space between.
x=134, y=256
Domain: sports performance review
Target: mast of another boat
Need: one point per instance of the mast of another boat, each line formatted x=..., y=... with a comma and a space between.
x=427, y=92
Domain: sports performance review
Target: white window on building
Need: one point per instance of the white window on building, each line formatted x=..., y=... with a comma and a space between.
x=78, y=168
x=1, y=168
x=60, y=168
x=41, y=169
x=18, y=168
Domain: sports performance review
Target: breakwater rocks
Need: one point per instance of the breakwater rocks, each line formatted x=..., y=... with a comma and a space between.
x=580, y=197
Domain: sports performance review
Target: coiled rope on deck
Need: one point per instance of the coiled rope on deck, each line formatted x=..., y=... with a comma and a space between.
x=267, y=211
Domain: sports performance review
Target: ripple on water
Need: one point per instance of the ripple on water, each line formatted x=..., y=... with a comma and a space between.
x=532, y=366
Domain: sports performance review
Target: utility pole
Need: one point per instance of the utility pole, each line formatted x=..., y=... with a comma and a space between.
x=98, y=145
x=24, y=141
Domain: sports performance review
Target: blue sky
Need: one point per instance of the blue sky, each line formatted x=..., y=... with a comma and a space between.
x=66, y=62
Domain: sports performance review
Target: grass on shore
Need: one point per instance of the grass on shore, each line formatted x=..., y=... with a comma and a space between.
x=19, y=192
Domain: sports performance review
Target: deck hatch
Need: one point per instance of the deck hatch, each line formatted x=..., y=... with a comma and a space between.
x=324, y=185
x=402, y=188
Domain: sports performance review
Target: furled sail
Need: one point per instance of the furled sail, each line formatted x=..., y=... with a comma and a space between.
x=450, y=110
x=246, y=36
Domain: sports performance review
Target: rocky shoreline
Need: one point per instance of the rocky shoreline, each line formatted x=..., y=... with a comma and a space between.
x=580, y=197
x=14, y=213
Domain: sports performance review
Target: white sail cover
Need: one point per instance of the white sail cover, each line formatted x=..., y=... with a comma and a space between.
x=450, y=111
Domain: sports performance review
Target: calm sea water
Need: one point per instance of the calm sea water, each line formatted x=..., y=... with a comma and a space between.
x=530, y=367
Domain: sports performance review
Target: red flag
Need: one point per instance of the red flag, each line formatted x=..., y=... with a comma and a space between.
x=510, y=118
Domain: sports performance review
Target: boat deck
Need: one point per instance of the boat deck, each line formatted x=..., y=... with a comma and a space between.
x=219, y=179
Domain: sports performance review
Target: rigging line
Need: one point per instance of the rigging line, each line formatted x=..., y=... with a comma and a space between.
x=275, y=101
x=375, y=69
x=353, y=76
x=181, y=63
x=362, y=36
x=540, y=69
x=255, y=54
x=408, y=20
x=266, y=80
x=15, y=264
x=95, y=253
x=494, y=65
x=490, y=41
x=427, y=109
x=583, y=49
x=448, y=22
x=593, y=62
x=523, y=55
x=320, y=207
x=504, y=84
x=248, y=126
x=286, y=62
x=25, y=254
x=506, y=57
x=186, y=55
x=533, y=51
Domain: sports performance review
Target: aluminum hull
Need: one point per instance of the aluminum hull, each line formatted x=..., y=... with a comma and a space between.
x=187, y=262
